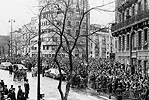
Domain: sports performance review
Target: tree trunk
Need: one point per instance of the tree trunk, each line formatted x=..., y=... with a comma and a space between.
x=70, y=76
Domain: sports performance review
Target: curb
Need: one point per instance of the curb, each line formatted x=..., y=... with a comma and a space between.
x=102, y=95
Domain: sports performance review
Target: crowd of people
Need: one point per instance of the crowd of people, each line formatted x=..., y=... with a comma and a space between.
x=10, y=94
x=117, y=79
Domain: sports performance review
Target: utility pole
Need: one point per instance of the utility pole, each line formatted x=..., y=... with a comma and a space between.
x=11, y=21
x=39, y=47
x=87, y=28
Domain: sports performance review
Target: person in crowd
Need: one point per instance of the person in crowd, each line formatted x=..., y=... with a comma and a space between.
x=12, y=94
x=27, y=88
x=23, y=96
x=1, y=88
x=11, y=88
x=19, y=94
x=2, y=83
x=2, y=96
x=10, y=69
x=5, y=90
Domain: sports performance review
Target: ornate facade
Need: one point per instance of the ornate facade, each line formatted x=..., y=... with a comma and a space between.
x=132, y=32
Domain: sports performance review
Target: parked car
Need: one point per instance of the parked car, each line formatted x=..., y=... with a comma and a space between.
x=54, y=73
x=5, y=65
x=20, y=66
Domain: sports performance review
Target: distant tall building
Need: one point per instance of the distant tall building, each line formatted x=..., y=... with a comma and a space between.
x=132, y=32
x=4, y=46
x=100, y=42
x=50, y=38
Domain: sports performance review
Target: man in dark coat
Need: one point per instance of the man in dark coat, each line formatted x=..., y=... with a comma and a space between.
x=11, y=88
x=2, y=83
x=12, y=94
x=19, y=94
x=5, y=89
x=10, y=69
x=27, y=88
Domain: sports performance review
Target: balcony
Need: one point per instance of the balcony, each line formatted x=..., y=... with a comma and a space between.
x=137, y=18
x=126, y=4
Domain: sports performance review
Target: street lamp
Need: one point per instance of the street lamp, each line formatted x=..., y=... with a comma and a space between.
x=39, y=53
x=11, y=21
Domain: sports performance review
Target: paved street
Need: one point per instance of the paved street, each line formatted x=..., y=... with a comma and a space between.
x=48, y=87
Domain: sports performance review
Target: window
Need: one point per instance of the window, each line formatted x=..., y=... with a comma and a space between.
x=77, y=31
x=145, y=35
x=119, y=43
x=133, y=10
x=145, y=5
x=44, y=47
x=123, y=16
x=123, y=42
x=69, y=23
x=139, y=38
x=53, y=48
x=115, y=44
x=47, y=47
x=77, y=24
x=69, y=31
x=84, y=25
x=84, y=32
x=134, y=40
x=120, y=18
x=127, y=15
x=54, y=39
x=91, y=45
x=127, y=40
x=139, y=7
x=77, y=8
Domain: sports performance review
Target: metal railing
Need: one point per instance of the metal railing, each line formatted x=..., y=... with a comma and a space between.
x=140, y=16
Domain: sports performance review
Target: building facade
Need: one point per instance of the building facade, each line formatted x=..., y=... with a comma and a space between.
x=132, y=32
x=49, y=36
x=100, y=45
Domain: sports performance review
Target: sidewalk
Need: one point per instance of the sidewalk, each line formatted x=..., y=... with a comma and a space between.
x=101, y=95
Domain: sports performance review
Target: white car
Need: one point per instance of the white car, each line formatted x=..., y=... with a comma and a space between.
x=5, y=65
x=54, y=73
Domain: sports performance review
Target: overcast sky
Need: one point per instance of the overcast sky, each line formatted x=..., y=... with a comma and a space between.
x=22, y=11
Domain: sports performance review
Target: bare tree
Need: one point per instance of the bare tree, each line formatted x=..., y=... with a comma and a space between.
x=66, y=19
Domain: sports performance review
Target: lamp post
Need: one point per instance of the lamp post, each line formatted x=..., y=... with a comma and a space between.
x=39, y=53
x=11, y=21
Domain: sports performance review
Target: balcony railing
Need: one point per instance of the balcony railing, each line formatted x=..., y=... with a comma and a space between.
x=142, y=15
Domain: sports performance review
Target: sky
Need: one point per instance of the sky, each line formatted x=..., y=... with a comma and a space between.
x=22, y=10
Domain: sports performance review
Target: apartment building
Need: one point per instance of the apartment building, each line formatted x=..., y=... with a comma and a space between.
x=132, y=32
x=100, y=45
x=50, y=38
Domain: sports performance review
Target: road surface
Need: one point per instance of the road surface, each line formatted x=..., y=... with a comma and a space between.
x=48, y=87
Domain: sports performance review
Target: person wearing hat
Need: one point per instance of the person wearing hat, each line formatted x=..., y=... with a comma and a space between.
x=2, y=83
x=5, y=89
x=11, y=88
x=19, y=94
x=27, y=88
x=12, y=94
